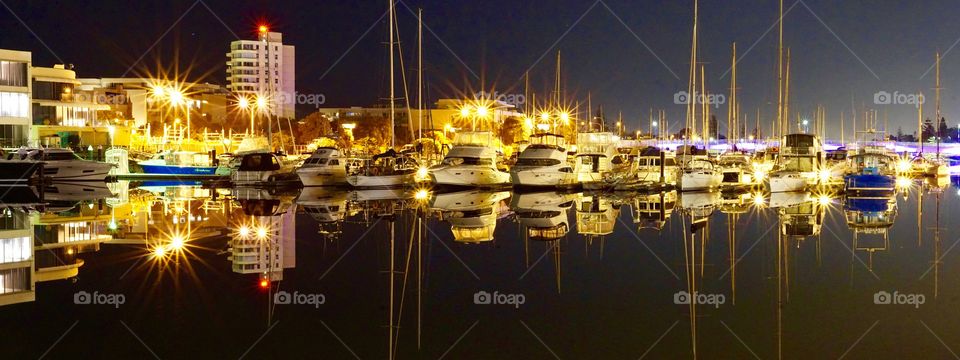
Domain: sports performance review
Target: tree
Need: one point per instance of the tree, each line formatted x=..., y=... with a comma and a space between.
x=942, y=130
x=927, y=131
x=313, y=126
x=512, y=127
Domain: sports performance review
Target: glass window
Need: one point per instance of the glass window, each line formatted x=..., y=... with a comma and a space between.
x=13, y=73
x=14, y=104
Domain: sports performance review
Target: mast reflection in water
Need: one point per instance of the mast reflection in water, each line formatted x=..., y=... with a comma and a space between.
x=411, y=273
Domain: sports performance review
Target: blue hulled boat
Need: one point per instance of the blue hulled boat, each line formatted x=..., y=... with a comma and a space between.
x=178, y=163
x=873, y=173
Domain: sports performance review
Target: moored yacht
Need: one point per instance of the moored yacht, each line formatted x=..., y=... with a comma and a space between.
x=738, y=173
x=595, y=153
x=178, y=163
x=699, y=175
x=543, y=163
x=61, y=164
x=799, y=163
x=261, y=168
x=471, y=162
x=325, y=167
x=873, y=172
x=386, y=170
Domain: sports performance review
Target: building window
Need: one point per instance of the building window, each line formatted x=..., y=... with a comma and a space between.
x=47, y=90
x=13, y=73
x=14, y=104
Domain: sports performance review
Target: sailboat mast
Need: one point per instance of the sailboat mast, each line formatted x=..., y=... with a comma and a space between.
x=937, y=122
x=556, y=96
x=920, y=125
x=705, y=114
x=786, y=93
x=692, y=80
x=731, y=105
x=780, y=119
x=419, y=73
x=392, y=109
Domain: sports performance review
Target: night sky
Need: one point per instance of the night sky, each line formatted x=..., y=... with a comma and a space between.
x=842, y=50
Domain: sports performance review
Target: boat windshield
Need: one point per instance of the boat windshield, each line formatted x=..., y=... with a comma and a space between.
x=537, y=162
x=454, y=161
x=61, y=155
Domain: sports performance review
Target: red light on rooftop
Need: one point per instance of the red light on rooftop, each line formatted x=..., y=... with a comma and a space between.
x=263, y=28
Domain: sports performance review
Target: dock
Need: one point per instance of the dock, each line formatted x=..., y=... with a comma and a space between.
x=168, y=177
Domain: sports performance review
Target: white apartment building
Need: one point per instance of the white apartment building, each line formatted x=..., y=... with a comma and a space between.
x=266, y=67
x=15, y=94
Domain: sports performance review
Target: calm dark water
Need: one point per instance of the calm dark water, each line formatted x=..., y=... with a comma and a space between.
x=371, y=279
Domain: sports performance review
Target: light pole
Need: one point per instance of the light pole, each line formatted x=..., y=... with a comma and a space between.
x=244, y=104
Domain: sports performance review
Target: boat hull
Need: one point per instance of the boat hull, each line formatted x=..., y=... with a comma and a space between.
x=380, y=181
x=76, y=170
x=321, y=177
x=787, y=183
x=543, y=178
x=178, y=170
x=870, y=182
x=699, y=181
x=475, y=176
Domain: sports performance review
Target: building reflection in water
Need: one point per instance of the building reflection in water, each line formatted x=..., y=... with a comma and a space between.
x=265, y=240
x=41, y=240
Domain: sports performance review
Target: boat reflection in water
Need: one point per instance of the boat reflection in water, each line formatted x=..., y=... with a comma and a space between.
x=870, y=218
x=651, y=211
x=75, y=232
x=544, y=215
x=472, y=214
x=596, y=215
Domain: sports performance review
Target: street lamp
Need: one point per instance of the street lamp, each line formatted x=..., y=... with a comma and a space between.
x=244, y=104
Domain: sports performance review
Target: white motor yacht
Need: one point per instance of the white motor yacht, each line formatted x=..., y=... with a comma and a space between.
x=471, y=162
x=261, y=168
x=699, y=175
x=799, y=163
x=325, y=167
x=595, y=153
x=63, y=164
x=543, y=163
x=386, y=170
